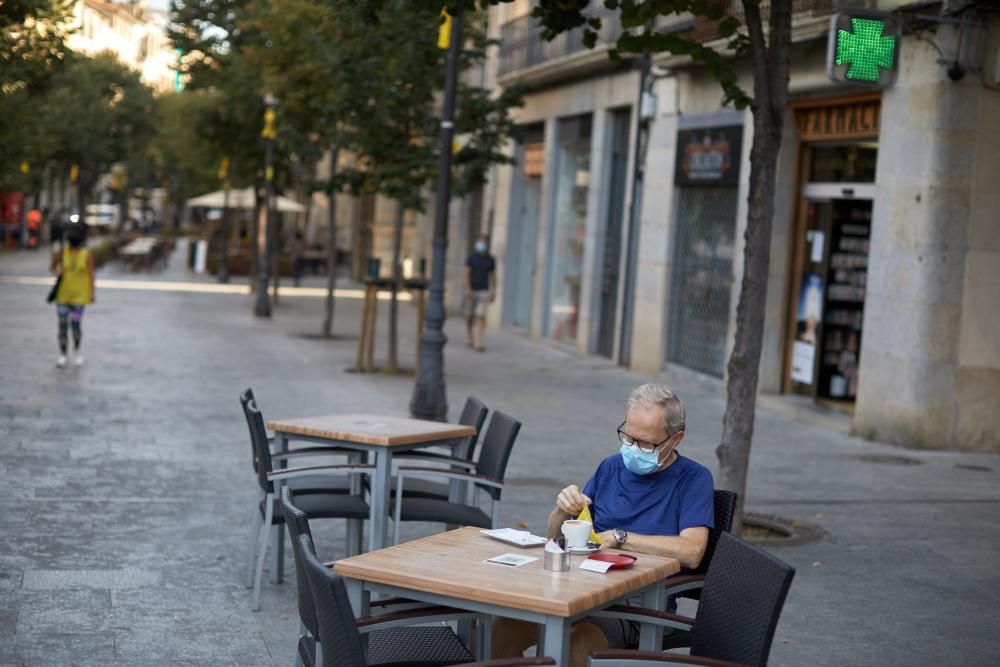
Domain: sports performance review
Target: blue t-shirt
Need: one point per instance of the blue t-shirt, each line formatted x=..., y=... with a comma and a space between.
x=481, y=265
x=663, y=503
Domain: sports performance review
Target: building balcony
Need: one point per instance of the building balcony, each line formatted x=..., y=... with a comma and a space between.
x=525, y=56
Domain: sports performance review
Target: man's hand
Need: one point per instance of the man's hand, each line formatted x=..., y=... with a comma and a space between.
x=571, y=500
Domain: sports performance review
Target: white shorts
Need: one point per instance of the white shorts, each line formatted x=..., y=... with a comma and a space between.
x=477, y=305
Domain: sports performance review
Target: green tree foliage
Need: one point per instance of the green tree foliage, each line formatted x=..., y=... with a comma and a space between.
x=179, y=152
x=97, y=113
x=215, y=37
x=32, y=46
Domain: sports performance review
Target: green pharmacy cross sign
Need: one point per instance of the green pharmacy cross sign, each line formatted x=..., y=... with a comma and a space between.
x=863, y=48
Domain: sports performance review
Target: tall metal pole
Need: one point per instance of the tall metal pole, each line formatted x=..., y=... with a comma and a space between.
x=224, y=222
x=263, y=308
x=429, y=400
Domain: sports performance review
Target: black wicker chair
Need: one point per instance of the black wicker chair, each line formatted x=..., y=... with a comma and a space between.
x=474, y=415
x=741, y=601
x=315, y=484
x=298, y=525
x=488, y=476
x=689, y=585
x=269, y=521
x=392, y=638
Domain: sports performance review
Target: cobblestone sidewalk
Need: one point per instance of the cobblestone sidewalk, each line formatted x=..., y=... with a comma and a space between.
x=128, y=484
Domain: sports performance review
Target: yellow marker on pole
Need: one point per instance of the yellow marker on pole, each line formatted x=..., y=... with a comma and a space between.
x=25, y=167
x=224, y=169
x=269, y=132
x=444, y=30
x=74, y=173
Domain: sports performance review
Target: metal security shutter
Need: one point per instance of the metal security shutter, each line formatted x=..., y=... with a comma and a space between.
x=702, y=278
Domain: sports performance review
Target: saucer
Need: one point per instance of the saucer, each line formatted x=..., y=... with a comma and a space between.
x=591, y=548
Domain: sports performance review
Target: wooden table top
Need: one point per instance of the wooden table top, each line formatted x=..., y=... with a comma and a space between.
x=366, y=429
x=451, y=564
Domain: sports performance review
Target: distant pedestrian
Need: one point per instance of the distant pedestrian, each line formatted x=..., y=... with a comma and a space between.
x=296, y=248
x=480, y=290
x=34, y=221
x=75, y=265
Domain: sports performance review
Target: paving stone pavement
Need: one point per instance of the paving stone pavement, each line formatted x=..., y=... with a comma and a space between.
x=123, y=529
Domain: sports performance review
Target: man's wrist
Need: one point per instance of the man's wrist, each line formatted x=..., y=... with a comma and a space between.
x=621, y=536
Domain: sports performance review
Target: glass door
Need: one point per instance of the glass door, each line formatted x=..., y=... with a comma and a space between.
x=829, y=305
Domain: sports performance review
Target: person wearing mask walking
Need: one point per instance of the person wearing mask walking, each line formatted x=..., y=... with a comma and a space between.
x=480, y=290
x=75, y=265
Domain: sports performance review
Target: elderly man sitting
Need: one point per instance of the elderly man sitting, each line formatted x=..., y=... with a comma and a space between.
x=645, y=498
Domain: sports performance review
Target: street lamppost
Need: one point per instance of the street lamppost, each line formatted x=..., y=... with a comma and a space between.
x=265, y=240
x=429, y=400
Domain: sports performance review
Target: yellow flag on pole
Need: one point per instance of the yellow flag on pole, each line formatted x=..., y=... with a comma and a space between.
x=444, y=30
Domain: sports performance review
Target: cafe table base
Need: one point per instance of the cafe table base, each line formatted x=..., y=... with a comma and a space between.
x=555, y=630
x=376, y=434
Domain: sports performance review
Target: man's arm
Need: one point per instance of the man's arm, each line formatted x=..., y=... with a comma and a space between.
x=569, y=503
x=688, y=547
x=468, y=282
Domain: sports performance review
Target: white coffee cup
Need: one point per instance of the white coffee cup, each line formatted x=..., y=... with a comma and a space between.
x=577, y=532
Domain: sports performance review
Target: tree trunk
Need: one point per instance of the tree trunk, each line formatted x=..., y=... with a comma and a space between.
x=254, y=242
x=770, y=67
x=397, y=242
x=224, y=241
x=331, y=221
x=278, y=220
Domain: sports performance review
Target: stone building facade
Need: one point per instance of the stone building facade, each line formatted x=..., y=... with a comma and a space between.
x=884, y=288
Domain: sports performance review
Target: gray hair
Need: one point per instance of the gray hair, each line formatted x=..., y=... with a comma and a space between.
x=657, y=395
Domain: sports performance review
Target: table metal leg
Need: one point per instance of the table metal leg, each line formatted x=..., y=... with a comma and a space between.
x=651, y=636
x=278, y=571
x=378, y=522
x=360, y=599
x=464, y=631
x=484, y=638
x=355, y=526
x=555, y=639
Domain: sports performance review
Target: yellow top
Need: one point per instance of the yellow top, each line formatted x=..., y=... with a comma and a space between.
x=75, y=286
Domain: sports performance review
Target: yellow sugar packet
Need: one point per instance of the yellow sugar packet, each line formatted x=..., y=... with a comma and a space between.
x=585, y=516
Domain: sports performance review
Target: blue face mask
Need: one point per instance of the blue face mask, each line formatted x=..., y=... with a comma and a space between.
x=638, y=461
x=480, y=247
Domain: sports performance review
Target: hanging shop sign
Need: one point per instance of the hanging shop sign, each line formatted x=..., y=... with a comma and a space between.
x=709, y=156
x=534, y=159
x=844, y=119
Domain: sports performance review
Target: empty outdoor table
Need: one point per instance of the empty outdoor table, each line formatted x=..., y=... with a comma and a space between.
x=378, y=434
x=448, y=569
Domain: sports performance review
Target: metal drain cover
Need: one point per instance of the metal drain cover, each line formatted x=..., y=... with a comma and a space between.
x=890, y=459
x=765, y=529
x=972, y=466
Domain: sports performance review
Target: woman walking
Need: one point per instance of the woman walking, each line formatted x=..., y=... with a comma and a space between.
x=74, y=263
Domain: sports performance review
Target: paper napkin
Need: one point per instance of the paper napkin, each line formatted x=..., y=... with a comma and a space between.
x=585, y=516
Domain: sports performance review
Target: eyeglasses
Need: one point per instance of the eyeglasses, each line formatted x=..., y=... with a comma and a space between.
x=643, y=446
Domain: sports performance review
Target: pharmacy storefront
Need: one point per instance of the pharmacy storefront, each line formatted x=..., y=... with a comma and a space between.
x=838, y=151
